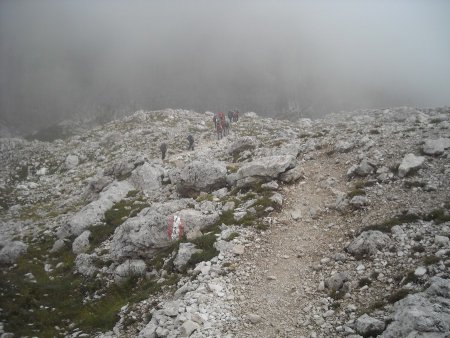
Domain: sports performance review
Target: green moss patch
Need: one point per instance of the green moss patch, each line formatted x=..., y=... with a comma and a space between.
x=355, y=192
x=386, y=226
x=232, y=236
x=60, y=297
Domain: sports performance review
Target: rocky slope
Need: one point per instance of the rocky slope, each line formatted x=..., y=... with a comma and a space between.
x=326, y=228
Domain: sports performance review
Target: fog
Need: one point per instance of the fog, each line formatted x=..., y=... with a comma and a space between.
x=64, y=59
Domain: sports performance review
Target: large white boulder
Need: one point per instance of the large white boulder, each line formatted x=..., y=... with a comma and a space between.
x=71, y=161
x=369, y=326
x=81, y=243
x=241, y=144
x=368, y=243
x=11, y=251
x=409, y=163
x=185, y=252
x=147, y=177
x=157, y=227
x=198, y=176
x=266, y=168
x=130, y=268
x=436, y=146
x=424, y=314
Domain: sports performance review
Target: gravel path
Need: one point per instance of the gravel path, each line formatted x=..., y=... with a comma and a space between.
x=276, y=281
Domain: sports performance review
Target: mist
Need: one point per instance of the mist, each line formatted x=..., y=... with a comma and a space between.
x=62, y=59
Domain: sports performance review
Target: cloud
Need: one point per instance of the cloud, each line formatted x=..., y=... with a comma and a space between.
x=64, y=58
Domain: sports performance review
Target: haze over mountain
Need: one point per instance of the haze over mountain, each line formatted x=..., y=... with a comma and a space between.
x=65, y=59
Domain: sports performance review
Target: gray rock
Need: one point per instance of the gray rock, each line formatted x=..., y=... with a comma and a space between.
x=441, y=240
x=410, y=163
x=267, y=167
x=193, y=233
x=229, y=206
x=199, y=176
x=436, y=146
x=11, y=251
x=296, y=215
x=58, y=245
x=272, y=185
x=188, y=328
x=71, y=162
x=420, y=271
x=147, y=178
x=341, y=202
x=344, y=146
x=368, y=243
x=84, y=264
x=81, y=243
x=254, y=318
x=145, y=234
x=120, y=169
x=277, y=199
x=424, y=314
x=221, y=193
x=359, y=201
x=185, y=252
x=336, y=282
x=238, y=249
x=368, y=326
x=130, y=268
x=292, y=175
x=149, y=331
x=242, y=144
x=364, y=168
x=97, y=184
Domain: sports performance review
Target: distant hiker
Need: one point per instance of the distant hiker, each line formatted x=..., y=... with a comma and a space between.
x=215, y=120
x=191, y=142
x=219, y=130
x=163, y=148
x=230, y=115
x=236, y=115
x=226, y=128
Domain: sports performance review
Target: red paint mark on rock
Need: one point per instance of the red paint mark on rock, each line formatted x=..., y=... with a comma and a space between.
x=175, y=230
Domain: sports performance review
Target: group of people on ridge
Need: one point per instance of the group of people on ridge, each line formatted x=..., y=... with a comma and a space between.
x=221, y=125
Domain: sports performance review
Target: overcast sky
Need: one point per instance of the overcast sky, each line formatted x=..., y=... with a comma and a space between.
x=63, y=58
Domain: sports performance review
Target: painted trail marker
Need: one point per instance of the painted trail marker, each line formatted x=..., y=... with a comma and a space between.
x=176, y=227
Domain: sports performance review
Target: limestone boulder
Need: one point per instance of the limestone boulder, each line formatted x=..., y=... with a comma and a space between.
x=129, y=268
x=85, y=264
x=265, y=169
x=369, y=326
x=185, y=252
x=436, y=146
x=424, y=314
x=242, y=144
x=81, y=243
x=147, y=178
x=71, y=162
x=368, y=243
x=410, y=163
x=120, y=169
x=157, y=227
x=10, y=251
x=198, y=176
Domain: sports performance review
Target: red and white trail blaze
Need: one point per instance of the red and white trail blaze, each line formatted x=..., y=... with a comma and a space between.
x=176, y=227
